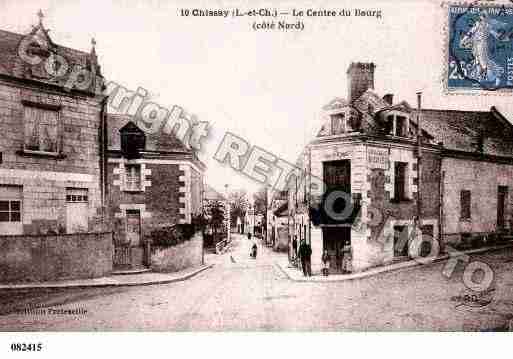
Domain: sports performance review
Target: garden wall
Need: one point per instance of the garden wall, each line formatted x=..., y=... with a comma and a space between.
x=39, y=258
x=184, y=255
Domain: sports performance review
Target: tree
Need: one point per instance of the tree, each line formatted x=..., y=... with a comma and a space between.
x=215, y=217
x=239, y=204
x=260, y=200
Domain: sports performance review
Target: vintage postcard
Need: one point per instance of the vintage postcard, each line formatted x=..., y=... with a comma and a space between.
x=235, y=166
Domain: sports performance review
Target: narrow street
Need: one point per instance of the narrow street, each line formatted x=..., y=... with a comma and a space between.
x=240, y=293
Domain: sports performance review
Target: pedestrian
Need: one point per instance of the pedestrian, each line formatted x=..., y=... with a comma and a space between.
x=305, y=254
x=294, y=248
x=325, y=262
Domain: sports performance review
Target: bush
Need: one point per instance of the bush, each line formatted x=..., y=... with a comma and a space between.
x=172, y=235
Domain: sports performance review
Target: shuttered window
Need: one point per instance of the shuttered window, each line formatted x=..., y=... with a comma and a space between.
x=41, y=129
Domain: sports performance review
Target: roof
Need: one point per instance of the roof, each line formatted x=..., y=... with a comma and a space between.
x=488, y=132
x=12, y=65
x=155, y=141
x=211, y=194
x=464, y=130
x=370, y=102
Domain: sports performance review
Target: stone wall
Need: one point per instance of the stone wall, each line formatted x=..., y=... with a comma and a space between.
x=55, y=257
x=44, y=177
x=482, y=180
x=184, y=255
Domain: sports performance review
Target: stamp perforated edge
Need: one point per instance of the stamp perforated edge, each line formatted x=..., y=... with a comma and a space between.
x=444, y=5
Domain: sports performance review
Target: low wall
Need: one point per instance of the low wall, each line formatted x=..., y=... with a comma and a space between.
x=184, y=255
x=39, y=258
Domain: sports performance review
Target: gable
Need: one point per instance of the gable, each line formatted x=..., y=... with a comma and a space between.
x=12, y=65
x=159, y=141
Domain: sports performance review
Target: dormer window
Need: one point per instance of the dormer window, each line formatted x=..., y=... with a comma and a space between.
x=389, y=124
x=338, y=124
x=133, y=140
x=396, y=125
x=400, y=126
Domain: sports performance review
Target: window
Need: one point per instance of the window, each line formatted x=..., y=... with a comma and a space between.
x=337, y=124
x=400, y=126
x=41, y=129
x=400, y=181
x=72, y=198
x=133, y=177
x=389, y=124
x=465, y=203
x=502, y=195
x=10, y=211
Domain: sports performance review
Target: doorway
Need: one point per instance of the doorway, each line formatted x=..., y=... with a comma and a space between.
x=133, y=227
x=337, y=241
x=77, y=207
x=401, y=241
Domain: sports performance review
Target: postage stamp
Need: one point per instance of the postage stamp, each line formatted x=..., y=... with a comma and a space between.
x=480, y=48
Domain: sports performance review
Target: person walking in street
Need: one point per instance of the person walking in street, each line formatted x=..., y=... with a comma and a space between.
x=325, y=262
x=294, y=248
x=305, y=254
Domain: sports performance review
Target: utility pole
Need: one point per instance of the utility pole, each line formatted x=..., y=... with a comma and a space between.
x=419, y=159
x=309, y=195
x=228, y=224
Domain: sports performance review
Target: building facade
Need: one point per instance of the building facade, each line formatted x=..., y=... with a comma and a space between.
x=154, y=182
x=379, y=189
x=50, y=153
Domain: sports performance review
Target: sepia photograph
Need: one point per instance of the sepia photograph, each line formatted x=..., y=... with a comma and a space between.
x=235, y=166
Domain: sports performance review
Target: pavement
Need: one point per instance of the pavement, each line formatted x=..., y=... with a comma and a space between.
x=243, y=294
x=146, y=278
x=295, y=274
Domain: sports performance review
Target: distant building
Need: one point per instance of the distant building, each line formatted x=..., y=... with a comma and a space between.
x=367, y=154
x=278, y=221
x=51, y=178
x=154, y=182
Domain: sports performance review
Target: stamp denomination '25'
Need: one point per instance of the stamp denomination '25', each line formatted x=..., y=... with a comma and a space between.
x=480, y=48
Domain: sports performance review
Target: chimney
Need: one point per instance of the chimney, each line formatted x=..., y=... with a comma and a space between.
x=389, y=98
x=360, y=77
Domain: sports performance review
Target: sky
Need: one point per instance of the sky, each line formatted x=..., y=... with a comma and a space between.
x=267, y=87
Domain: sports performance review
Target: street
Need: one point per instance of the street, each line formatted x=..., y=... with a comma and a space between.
x=240, y=293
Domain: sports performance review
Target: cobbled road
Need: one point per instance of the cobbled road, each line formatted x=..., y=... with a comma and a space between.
x=240, y=293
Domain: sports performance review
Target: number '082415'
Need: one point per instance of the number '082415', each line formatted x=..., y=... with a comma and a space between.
x=26, y=347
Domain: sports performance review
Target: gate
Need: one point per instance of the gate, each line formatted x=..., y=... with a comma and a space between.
x=130, y=252
x=122, y=254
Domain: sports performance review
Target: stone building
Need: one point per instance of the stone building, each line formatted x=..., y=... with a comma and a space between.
x=381, y=190
x=154, y=181
x=277, y=219
x=51, y=122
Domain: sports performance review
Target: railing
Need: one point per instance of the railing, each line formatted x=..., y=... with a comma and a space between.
x=220, y=246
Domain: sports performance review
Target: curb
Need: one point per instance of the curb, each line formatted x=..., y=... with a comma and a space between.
x=390, y=268
x=7, y=287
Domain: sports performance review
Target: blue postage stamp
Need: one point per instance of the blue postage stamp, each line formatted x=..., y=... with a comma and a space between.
x=480, y=47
